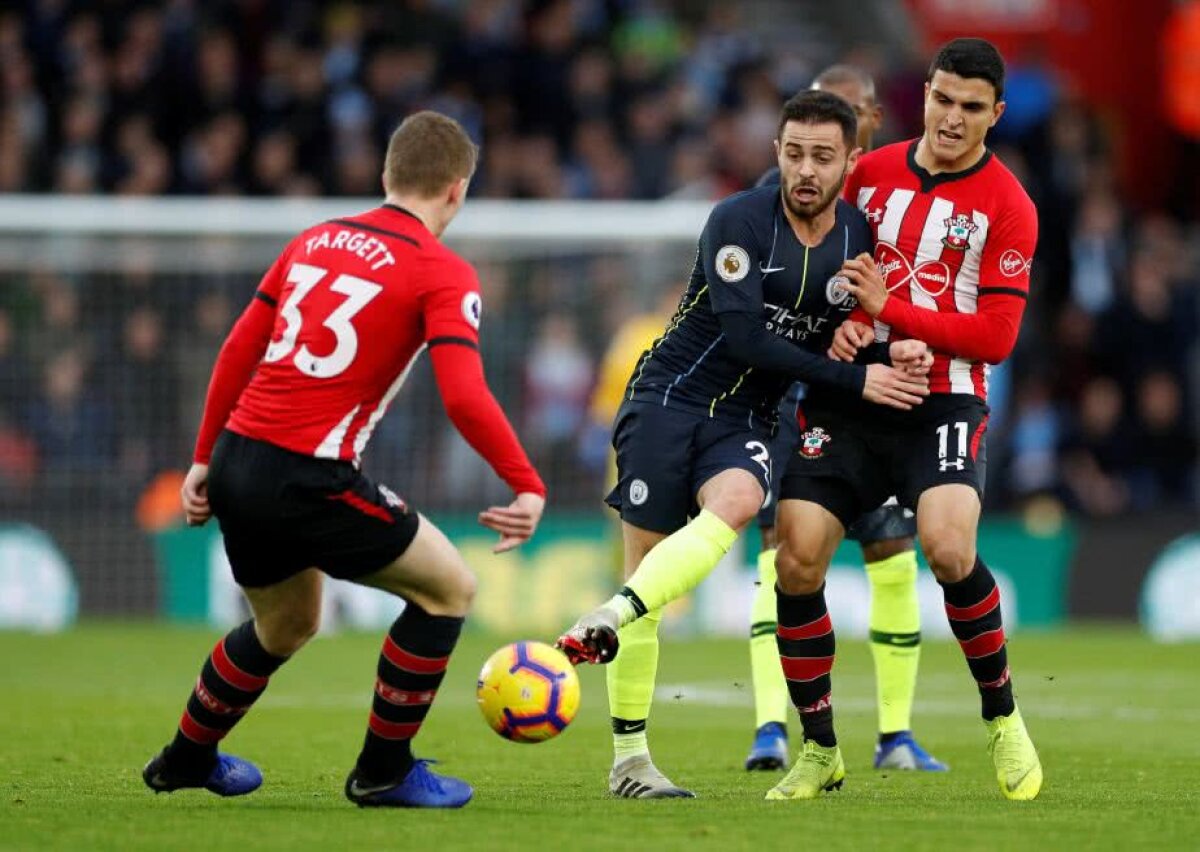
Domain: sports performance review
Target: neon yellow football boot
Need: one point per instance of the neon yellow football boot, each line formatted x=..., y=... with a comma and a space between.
x=818, y=768
x=1017, y=766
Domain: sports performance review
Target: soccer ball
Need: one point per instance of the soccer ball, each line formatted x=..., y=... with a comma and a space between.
x=528, y=692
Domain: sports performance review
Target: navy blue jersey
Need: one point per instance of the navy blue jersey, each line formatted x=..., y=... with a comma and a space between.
x=749, y=261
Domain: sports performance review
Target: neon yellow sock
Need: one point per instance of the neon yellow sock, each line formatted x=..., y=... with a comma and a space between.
x=631, y=677
x=770, y=688
x=676, y=565
x=895, y=638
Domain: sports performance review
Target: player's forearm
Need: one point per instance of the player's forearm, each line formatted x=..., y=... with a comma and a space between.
x=235, y=364
x=988, y=335
x=479, y=419
x=759, y=348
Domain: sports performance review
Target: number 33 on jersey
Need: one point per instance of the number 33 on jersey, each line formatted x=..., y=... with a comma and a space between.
x=358, y=301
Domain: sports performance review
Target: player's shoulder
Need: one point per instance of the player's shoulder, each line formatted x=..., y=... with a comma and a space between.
x=751, y=204
x=449, y=265
x=854, y=219
x=884, y=158
x=1007, y=188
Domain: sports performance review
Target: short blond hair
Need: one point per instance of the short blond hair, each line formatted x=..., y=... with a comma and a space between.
x=426, y=153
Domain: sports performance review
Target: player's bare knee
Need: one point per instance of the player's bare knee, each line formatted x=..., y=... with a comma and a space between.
x=951, y=555
x=455, y=594
x=286, y=633
x=737, y=504
x=798, y=570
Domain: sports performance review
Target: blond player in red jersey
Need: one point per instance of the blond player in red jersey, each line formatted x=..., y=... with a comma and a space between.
x=954, y=233
x=300, y=384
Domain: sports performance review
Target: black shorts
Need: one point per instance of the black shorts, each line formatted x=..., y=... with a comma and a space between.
x=889, y=521
x=282, y=512
x=664, y=456
x=851, y=465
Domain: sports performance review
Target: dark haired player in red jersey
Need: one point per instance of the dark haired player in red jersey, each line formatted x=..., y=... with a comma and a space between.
x=299, y=386
x=954, y=235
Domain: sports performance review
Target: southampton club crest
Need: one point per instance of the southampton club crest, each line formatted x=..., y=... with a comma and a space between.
x=812, y=442
x=959, y=228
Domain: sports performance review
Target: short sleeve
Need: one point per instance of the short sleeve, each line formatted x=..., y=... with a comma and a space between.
x=450, y=301
x=729, y=256
x=1008, y=252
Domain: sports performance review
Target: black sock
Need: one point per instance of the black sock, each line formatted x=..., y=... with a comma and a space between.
x=806, y=650
x=973, y=607
x=411, y=667
x=234, y=675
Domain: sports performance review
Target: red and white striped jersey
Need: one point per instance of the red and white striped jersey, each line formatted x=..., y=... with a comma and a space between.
x=955, y=251
x=339, y=320
x=358, y=299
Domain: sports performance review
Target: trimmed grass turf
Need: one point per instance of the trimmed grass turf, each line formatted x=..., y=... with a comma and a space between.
x=1115, y=718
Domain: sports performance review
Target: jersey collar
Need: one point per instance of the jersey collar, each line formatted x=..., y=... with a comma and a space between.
x=928, y=181
x=404, y=210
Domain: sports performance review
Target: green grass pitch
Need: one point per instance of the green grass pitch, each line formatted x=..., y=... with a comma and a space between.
x=1115, y=718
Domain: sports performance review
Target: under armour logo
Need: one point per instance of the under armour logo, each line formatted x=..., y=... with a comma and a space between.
x=874, y=215
x=945, y=464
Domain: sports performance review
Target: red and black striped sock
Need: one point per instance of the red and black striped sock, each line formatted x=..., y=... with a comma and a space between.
x=234, y=675
x=973, y=607
x=806, y=649
x=411, y=668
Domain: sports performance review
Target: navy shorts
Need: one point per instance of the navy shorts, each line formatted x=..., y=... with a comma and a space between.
x=664, y=456
x=787, y=436
x=282, y=512
x=851, y=465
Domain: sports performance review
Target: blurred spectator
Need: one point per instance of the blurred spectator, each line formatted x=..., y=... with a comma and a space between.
x=69, y=420
x=145, y=392
x=1098, y=450
x=558, y=381
x=569, y=99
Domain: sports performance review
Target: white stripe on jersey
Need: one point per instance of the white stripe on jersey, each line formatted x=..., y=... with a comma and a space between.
x=966, y=283
x=930, y=249
x=364, y=434
x=959, y=373
x=893, y=215
x=331, y=446
x=882, y=329
x=966, y=299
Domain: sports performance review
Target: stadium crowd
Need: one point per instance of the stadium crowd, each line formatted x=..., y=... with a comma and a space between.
x=583, y=99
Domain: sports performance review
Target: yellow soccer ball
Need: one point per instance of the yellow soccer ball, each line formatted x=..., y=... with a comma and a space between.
x=528, y=692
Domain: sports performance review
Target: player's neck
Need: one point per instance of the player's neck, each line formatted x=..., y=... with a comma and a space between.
x=422, y=208
x=812, y=231
x=926, y=160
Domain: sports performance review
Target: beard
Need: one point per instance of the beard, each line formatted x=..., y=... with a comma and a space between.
x=810, y=209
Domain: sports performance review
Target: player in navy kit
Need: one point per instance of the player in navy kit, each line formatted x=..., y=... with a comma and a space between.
x=886, y=537
x=298, y=388
x=692, y=435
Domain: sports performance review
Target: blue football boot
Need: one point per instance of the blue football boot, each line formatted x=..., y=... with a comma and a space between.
x=901, y=751
x=231, y=776
x=770, y=749
x=421, y=788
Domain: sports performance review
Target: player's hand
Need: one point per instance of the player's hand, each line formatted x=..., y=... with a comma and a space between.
x=848, y=339
x=515, y=522
x=894, y=387
x=866, y=284
x=912, y=356
x=195, y=496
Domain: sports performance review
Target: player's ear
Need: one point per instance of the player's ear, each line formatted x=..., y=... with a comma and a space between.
x=776, y=144
x=997, y=111
x=852, y=159
x=456, y=193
